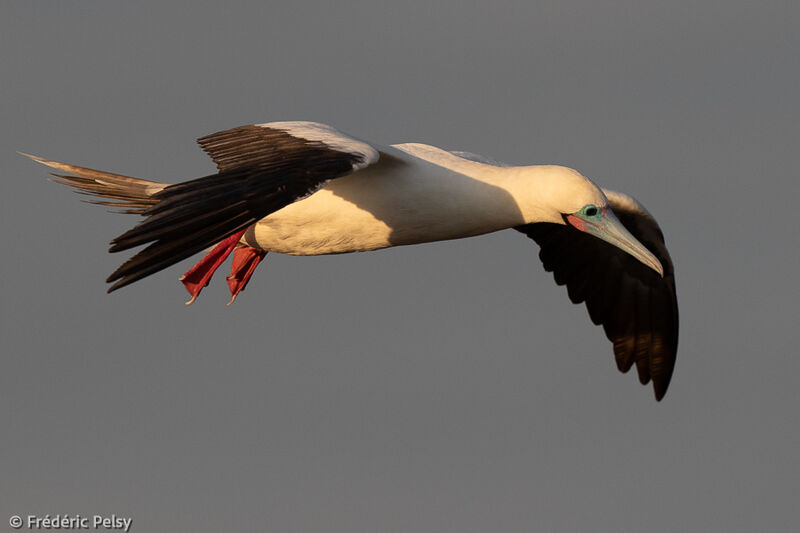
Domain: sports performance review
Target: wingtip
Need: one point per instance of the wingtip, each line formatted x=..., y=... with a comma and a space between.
x=118, y=280
x=659, y=390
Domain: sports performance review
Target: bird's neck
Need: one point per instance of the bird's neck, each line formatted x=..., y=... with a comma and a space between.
x=533, y=188
x=528, y=192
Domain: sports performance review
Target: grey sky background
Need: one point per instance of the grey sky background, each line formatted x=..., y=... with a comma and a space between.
x=448, y=387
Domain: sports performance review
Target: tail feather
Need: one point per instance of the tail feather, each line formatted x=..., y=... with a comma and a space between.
x=131, y=195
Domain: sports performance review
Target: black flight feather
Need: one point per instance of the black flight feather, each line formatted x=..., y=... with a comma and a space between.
x=637, y=308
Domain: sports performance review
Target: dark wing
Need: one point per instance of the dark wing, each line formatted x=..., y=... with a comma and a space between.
x=262, y=168
x=637, y=308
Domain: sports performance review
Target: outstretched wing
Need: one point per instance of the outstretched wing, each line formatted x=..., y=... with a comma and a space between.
x=262, y=168
x=637, y=308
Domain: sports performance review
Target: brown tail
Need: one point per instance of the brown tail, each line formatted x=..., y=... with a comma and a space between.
x=131, y=195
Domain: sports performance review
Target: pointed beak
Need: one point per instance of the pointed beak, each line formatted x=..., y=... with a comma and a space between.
x=608, y=228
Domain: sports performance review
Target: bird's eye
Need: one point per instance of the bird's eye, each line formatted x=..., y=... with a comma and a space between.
x=590, y=210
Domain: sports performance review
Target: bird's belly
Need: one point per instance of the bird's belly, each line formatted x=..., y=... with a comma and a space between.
x=365, y=211
x=326, y=225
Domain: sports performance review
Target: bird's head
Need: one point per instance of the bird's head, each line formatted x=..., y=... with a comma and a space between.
x=573, y=199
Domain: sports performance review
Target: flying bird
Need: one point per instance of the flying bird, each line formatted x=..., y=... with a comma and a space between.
x=304, y=188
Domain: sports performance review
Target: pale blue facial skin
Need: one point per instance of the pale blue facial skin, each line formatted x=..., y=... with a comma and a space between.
x=603, y=224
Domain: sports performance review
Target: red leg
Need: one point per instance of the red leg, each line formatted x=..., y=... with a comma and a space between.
x=245, y=261
x=200, y=274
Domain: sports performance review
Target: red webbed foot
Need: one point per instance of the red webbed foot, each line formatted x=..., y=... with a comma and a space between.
x=200, y=274
x=245, y=261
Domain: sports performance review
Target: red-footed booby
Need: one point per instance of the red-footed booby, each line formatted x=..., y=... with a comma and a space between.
x=304, y=188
